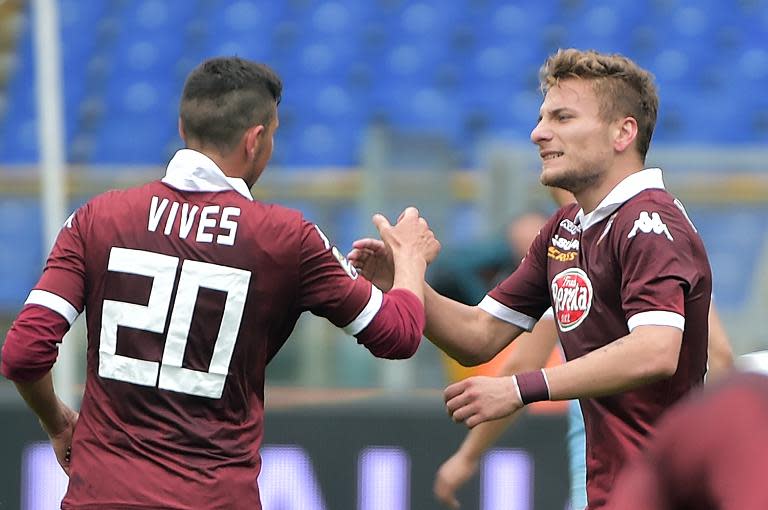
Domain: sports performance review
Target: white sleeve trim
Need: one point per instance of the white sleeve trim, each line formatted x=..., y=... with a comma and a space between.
x=517, y=389
x=506, y=314
x=369, y=312
x=52, y=301
x=657, y=318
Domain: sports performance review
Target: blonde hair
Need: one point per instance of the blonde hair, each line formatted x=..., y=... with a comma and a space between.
x=623, y=88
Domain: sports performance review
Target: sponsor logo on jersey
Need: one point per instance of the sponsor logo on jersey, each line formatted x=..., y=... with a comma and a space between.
x=570, y=226
x=68, y=222
x=571, y=297
x=345, y=264
x=565, y=244
x=648, y=223
x=560, y=256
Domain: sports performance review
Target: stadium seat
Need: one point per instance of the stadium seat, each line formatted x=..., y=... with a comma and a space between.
x=19, y=267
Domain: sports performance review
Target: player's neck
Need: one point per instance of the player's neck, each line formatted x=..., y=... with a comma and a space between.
x=591, y=197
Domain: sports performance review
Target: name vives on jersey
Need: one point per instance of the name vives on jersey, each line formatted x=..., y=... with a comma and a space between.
x=211, y=217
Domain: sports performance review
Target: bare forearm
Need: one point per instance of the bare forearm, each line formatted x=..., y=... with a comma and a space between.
x=41, y=398
x=642, y=357
x=456, y=329
x=409, y=273
x=719, y=353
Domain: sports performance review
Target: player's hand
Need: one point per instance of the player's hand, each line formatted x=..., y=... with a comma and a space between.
x=478, y=399
x=410, y=237
x=411, y=232
x=373, y=260
x=60, y=436
x=451, y=476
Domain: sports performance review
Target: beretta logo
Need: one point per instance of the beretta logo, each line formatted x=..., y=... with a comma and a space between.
x=571, y=297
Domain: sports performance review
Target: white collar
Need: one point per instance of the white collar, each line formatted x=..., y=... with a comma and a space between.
x=190, y=170
x=650, y=178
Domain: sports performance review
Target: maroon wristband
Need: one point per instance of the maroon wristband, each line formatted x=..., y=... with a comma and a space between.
x=533, y=386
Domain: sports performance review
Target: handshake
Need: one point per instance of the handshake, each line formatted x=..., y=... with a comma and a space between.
x=400, y=256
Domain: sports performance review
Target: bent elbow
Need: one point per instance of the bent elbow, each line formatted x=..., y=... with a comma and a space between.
x=662, y=366
x=404, y=349
x=474, y=358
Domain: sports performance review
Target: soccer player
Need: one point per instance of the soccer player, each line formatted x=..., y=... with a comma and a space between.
x=191, y=287
x=624, y=270
x=463, y=464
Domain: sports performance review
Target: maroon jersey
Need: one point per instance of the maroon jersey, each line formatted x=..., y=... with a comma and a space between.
x=635, y=260
x=709, y=453
x=190, y=288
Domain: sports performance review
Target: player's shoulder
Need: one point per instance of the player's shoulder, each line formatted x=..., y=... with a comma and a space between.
x=651, y=201
x=564, y=219
x=653, y=210
x=273, y=213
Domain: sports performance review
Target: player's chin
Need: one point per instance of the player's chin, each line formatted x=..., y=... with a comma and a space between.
x=549, y=176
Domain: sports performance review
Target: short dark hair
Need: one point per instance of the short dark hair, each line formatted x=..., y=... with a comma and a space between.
x=224, y=96
x=623, y=87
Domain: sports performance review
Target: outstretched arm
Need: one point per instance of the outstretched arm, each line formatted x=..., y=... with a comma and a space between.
x=530, y=353
x=466, y=333
x=647, y=354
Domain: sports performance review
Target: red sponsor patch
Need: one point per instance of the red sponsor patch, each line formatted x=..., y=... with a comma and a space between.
x=571, y=297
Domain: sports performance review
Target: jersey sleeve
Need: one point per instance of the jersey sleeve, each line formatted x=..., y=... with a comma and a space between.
x=330, y=287
x=523, y=297
x=656, y=255
x=62, y=284
x=31, y=346
x=389, y=325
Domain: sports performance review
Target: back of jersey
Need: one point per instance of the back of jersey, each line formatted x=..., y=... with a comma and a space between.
x=176, y=358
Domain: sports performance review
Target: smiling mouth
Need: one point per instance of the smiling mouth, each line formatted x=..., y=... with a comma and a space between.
x=551, y=155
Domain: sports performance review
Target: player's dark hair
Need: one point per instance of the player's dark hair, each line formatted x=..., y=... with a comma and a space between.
x=622, y=87
x=224, y=96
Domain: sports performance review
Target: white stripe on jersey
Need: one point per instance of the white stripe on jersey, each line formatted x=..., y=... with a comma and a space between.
x=656, y=318
x=506, y=314
x=53, y=302
x=366, y=316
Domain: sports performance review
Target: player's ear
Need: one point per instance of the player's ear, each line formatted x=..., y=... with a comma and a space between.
x=252, y=138
x=182, y=134
x=626, y=132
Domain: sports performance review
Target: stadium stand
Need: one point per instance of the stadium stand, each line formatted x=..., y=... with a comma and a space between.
x=460, y=69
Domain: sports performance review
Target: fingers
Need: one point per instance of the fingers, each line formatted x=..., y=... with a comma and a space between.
x=454, y=390
x=381, y=222
x=368, y=244
x=408, y=212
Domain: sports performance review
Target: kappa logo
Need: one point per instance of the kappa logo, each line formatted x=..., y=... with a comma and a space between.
x=68, y=222
x=571, y=297
x=650, y=223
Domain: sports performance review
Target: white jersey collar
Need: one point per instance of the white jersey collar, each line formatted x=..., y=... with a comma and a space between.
x=650, y=178
x=190, y=170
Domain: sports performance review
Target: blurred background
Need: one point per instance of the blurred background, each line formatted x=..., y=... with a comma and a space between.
x=386, y=103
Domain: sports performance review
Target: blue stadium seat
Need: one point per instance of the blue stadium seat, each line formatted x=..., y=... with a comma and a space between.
x=20, y=267
x=463, y=68
x=729, y=234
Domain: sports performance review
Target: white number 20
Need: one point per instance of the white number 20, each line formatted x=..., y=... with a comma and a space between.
x=169, y=374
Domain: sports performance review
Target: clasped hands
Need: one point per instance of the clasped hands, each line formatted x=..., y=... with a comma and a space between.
x=473, y=400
